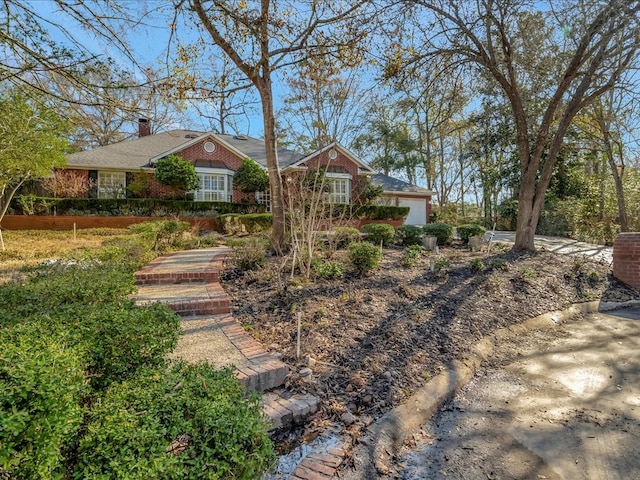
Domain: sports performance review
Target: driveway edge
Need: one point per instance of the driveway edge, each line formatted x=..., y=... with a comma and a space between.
x=389, y=432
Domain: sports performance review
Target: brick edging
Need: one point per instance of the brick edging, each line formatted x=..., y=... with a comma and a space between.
x=320, y=466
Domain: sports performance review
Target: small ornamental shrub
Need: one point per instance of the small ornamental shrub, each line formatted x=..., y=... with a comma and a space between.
x=41, y=388
x=442, y=231
x=408, y=235
x=411, y=255
x=177, y=173
x=441, y=265
x=476, y=265
x=470, y=230
x=345, y=235
x=364, y=256
x=250, y=177
x=249, y=253
x=187, y=422
x=378, y=233
x=233, y=223
x=327, y=269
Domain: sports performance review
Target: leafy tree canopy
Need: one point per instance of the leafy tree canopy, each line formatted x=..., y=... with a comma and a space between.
x=251, y=177
x=32, y=143
x=176, y=172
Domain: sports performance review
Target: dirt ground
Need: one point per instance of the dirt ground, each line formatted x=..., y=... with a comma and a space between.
x=385, y=335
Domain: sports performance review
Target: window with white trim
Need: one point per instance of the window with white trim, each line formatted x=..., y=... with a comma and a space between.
x=339, y=189
x=214, y=187
x=112, y=184
x=264, y=198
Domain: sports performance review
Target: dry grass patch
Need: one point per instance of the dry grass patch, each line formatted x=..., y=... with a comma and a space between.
x=29, y=247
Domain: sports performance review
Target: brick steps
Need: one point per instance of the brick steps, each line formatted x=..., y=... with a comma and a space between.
x=173, y=278
x=285, y=411
x=187, y=299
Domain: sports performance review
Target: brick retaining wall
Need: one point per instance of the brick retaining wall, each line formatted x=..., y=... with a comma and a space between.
x=626, y=259
x=64, y=222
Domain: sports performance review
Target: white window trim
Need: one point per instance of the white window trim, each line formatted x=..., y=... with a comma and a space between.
x=340, y=176
x=111, y=191
x=227, y=193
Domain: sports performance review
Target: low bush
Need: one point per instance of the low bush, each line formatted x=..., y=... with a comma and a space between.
x=379, y=233
x=408, y=235
x=477, y=265
x=343, y=236
x=442, y=231
x=364, y=256
x=233, y=224
x=411, y=255
x=161, y=233
x=470, y=230
x=327, y=269
x=249, y=253
x=189, y=422
x=41, y=388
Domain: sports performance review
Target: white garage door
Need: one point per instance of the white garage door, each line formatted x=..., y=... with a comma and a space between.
x=417, y=210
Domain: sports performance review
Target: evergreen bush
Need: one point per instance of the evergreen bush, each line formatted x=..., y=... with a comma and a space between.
x=364, y=257
x=379, y=233
x=408, y=235
x=442, y=231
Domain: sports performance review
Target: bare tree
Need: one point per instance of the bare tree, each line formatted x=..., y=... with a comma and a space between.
x=549, y=63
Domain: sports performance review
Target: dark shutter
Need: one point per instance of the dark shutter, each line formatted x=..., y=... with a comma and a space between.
x=93, y=179
x=129, y=178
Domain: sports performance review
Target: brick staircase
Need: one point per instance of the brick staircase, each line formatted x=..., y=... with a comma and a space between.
x=188, y=283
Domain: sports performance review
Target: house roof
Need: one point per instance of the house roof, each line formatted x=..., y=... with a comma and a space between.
x=142, y=152
x=391, y=184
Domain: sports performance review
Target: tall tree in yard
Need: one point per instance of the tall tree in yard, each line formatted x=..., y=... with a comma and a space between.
x=550, y=62
x=261, y=37
x=32, y=143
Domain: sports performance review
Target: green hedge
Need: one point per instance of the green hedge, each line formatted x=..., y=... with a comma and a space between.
x=409, y=235
x=442, y=231
x=138, y=207
x=470, y=230
x=379, y=233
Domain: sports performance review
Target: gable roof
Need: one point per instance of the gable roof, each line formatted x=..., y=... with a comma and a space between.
x=395, y=185
x=142, y=152
x=130, y=154
x=365, y=169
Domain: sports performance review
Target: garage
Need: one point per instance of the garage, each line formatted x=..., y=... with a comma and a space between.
x=417, y=210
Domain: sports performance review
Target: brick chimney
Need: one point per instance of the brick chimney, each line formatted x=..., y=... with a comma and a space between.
x=144, y=127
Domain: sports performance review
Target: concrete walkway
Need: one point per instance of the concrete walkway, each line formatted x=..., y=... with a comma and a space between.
x=188, y=283
x=560, y=245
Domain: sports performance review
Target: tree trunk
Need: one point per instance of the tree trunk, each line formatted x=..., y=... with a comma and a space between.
x=278, y=238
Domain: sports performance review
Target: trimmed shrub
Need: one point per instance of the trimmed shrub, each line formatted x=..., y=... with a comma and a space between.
x=250, y=177
x=442, y=231
x=188, y=422
x=409, y=235
x=470, y=230
x=411, y=255
x=177, y=173
x=364, y=256
x=140, y=207
x=477, y=265
x=379, y=233
x=41, y=387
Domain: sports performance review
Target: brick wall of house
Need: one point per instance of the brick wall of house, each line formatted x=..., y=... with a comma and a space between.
x=341, y=161
x=626, y=259
x=222, y=155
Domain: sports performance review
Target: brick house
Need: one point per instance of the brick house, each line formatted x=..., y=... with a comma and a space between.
x=111, y=169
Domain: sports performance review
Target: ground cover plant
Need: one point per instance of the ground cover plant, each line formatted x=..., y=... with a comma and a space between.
x=85, y=388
